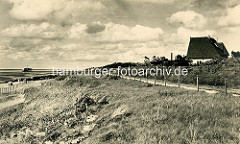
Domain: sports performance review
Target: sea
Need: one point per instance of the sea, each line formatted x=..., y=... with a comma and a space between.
x=7, y=75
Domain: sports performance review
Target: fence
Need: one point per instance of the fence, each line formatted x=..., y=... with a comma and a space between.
x=12, y=87
x=155, y=81
x=24, y=82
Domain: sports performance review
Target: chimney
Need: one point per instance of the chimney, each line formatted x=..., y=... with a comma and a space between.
x=171, y=56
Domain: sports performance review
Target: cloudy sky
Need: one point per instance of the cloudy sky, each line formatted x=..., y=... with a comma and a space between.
x=85, y=33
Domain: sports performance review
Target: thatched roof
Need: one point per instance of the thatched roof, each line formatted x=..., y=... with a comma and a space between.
x=206, y=48
x=223, y=48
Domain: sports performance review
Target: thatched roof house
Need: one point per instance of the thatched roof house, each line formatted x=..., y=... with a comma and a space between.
x=206, y=48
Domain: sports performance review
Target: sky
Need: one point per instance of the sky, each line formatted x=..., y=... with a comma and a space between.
x=86, y=33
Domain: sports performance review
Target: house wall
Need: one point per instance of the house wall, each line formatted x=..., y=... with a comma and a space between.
x=201, y=60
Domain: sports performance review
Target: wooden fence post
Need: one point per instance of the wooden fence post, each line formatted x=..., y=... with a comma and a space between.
x=197, y=84
x=225, y=81
x=165, y=81
x=155, y=81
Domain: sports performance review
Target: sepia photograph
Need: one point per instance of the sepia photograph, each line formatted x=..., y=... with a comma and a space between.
x=120, y=72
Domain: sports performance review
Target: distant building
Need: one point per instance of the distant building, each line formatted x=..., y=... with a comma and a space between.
x=206, y=48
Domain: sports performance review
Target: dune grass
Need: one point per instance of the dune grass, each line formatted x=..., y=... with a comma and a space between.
x=134, y=113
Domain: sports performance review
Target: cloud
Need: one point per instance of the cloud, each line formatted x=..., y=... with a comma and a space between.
x=72, y=52
x=232, y=17
x=85, y=53
x=35, y=9
x=77, y=31
x=41, y=9
x=179, y=41
x=118, y=32
x=189, y=19
x=115, y=32
x=155, y=1
x=86, y=41
x=230, y=37
x=136, y=52
x=43, y=30
x=213, y=4
x=183, y=34
x=95, y=27
x=24, y=42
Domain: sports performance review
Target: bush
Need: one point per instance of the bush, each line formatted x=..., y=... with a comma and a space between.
x=60, y=78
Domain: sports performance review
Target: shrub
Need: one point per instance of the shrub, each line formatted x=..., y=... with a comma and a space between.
x=60, y=78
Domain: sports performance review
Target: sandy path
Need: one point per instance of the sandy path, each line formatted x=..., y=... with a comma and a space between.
x=19, y=99
x=184, y=86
